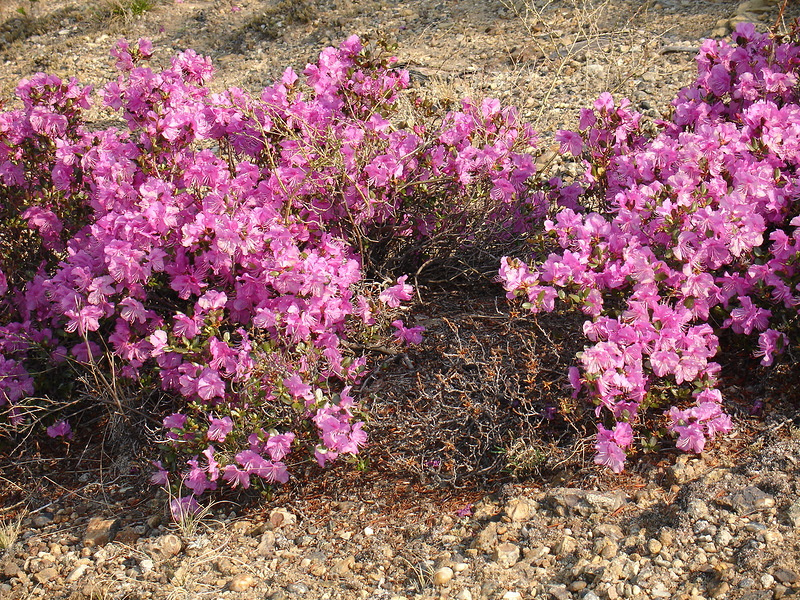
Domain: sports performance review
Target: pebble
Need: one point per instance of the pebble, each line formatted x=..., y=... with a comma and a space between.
x=443, y=576
x=100, y=531
x=241, y=582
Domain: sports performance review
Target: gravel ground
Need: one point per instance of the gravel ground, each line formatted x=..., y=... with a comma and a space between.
x=722, y=525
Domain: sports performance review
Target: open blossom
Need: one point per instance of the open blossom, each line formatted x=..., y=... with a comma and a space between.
x=407, y=335
x=397, y=293
x=61, y=429
x=218, y=429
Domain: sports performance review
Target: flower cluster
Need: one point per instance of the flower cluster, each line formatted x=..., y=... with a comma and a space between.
x=216, y=243
x=697, y=230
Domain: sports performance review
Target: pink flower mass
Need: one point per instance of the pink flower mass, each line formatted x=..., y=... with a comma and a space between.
x=219, y=245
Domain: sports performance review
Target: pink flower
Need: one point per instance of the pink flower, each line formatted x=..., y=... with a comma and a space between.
x=407, y=335
x=298, y=388
x=161, y=475
x=60, y=429
x=183, y=507
x=210, y=385
x=570, y=141
x=219, y=429
x=394, y=295
x=610, y=455
x=279, y=445
x=175, y=421
x=236, y=476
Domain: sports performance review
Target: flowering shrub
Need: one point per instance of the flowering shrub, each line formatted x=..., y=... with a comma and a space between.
x=216, y=243
x=697, y=231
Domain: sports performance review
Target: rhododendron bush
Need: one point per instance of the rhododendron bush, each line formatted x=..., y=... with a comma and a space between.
x=692, y=229
x=216, y=244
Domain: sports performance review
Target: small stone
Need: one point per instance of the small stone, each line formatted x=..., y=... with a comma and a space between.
x=443, y=576
x=267, y=543
x=43, y=519
x=486, y=539
x=767, y=581
x=11, y=569
x=785, y=576
x=343, y=565
x=518, y=510
x=146, y=565
x=506, y=555
x=77, y=573
x=460, y=567
x=719, y=590
x=577, y=586
x=654, y=546
x=368, y=531
x=278, y=595
x=224, y=566
x=169, y=545
x=509, y=595
x=280, y=517
x=45, y=575
x=566, y=545
x=464, y=594
x=751, y=499
x=558, y=592
x=100, y=531
x=241, y=582
x=297, y=588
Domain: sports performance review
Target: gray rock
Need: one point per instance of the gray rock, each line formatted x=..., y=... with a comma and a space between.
x=750, y=499
x=558, y=592
x=506, y=555
x=786, y=576
x=267, y=543
x=297, y=588
x=577, y=502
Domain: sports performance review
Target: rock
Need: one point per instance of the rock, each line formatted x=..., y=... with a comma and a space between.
x=518, y=510
x=442, y=576
x=506, y=555
x=464, y=594
x=577, y=502
x=558, y=592
x=750, y=499
x=609, y=530
x=11, y=569
x=793, y=513
x=486, y=539
x=786, y=576
x=146, y=565
x=654, y=546
x=719, y=589
x=280, y=517
x=43, y=519
x=224, y=566
x=509, y=595
x=100, y=531
x=241, y=582
x=45, y=575
x=343, y=565
x=566, y=545
x=297, y=588
x=78, y=572
x=169, y=545
x=267, y=543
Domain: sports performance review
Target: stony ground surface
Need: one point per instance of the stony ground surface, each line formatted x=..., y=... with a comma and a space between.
x=723, y=525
